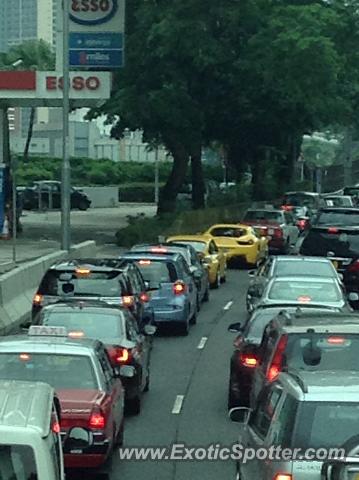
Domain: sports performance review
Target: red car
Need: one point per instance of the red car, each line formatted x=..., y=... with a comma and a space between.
x=90, y=390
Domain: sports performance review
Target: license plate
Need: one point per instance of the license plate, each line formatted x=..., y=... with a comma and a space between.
x=336, y=265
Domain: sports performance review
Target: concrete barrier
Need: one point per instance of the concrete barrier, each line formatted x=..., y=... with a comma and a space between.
x=17, y=287
x=102, y=197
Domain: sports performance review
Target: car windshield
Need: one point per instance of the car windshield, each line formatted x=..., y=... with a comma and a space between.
x=92, y=324
x=263, y=215
x=305, y=292
x=101, y=284
x=316, y=422
x=298, y=200
x=17, y=462
x=304, y=267
x=157, y=271
x=70, y=372
x=228, y=232
x=322, y=351
x=346, y=218
x=198, y=246
x=338, y=201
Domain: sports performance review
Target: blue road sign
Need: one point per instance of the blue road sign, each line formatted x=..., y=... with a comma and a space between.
x=95, y=58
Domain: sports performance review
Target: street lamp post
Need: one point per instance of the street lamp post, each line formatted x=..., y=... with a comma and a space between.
x=66, y=179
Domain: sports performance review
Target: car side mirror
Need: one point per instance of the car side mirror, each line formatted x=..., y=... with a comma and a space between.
x=126, y=371
x=353, y=297
x=147, y=284
x=197, y=274
x=252, y=273
x=26, y=325
x=239, y=414
x=235, y=327
x=149, y=330
x=78, y=439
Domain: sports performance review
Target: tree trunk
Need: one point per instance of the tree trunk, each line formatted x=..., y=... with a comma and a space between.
x=29, y=134
x=168, y=193
x=198, y=186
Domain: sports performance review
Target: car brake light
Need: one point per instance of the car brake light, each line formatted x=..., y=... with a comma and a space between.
x=75, y=334
x=336, y=340
x=304, y=299
x=248, y=360
x=55, y=427
x=83, y=272
x=354, y=267
x=144, y=297
x=287, y=208
x=179, y=288
x=128, y=300
x=38, y=298
x=283, y=476
x=333, y=230
x=302, y=224
x=159, y=250
x=119, y=355
x=97, y=419
x=24, y=357
x=276, y=364
x=278, y=233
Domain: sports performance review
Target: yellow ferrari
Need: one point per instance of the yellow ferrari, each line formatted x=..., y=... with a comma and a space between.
x=240, y=242
x=210, y=254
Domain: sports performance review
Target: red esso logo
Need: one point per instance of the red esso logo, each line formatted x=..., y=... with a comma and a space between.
x=92, y=12
x=77, y=83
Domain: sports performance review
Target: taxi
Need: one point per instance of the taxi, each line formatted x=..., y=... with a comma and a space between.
x=240, y=243
x=209, y=253
x=90, y=391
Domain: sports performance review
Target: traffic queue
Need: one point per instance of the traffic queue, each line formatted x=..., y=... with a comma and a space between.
x=85, y=353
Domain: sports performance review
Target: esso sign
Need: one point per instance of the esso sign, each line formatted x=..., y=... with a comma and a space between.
x=77, y=83
x=92, y=12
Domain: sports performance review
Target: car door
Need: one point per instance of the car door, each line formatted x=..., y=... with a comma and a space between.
x=266, y=349
x=255, y=433
x=141, y=352
x=215, y=255
x=113, y=401
x=203, y=271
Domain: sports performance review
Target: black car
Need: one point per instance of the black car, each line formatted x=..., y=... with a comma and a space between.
x=47, y=194
x=126, y=344
x=246, y=355
x=335, y=234
x=93, y=279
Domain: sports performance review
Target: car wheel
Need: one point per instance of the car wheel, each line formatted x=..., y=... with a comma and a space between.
x=134, y=405
x=118, y=441
x=217, y=282
x=206, y=295
x=233, y=400
x=147, y=385
x=184, y=328
x=198, y=304
x=224, y=278
x=83, y=205
x=193, y=320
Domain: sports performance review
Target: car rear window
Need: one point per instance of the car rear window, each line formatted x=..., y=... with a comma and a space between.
x=17, y=462
x=320, y=241
x=157, y=271
x=317, y=421
x=344, y=218
x=104, y=284
x=263, y=215
x=305, y=292
x=198, y=246
x=228, y=232
x=60, y=371
x=304, y=267
x=298, y=200
x=92, y=324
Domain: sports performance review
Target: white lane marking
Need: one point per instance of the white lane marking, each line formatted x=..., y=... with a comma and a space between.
x=202, y=343
x=177, y=407
x=228, y=306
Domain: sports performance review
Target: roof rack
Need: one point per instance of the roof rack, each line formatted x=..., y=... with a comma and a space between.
x=293, y=372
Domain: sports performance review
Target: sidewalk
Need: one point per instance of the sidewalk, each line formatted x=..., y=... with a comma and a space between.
x=26, y=250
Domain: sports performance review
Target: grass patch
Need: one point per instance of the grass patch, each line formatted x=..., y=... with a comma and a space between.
x=144, y=229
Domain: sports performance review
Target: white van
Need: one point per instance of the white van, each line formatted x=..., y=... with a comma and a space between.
x=30, y=443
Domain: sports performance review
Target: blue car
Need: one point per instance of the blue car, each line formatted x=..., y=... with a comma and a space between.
x=173, y=291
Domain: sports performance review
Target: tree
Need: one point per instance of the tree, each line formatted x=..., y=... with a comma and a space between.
x=35, y=55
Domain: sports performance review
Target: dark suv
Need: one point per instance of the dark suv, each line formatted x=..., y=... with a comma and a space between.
x=304, y=341
x=95, y=279
x=335, y=234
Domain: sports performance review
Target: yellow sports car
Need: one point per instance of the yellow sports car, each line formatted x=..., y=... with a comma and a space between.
x=210, y=254
x=240, y=242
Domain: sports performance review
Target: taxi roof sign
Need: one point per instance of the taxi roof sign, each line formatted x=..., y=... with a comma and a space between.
x=47, y=331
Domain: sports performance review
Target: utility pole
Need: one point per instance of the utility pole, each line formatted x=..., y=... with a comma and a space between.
x=156, y=177
x=348, y=160
x=66, y=172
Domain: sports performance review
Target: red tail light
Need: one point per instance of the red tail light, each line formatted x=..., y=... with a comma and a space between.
x=287, y=208
x=283, y=476
x=333, y=230
x=128, y=300
x=119, y=355
x=38, y=298
x=179, y=288
x=97, y=419
x=354, y=267
x=301, y=224
x=55, y=427
x=248, y=360
x=336, y=340
x=145, y=298
x=276, y=365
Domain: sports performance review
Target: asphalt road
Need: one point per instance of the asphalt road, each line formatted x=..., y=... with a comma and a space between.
x=179, y=367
